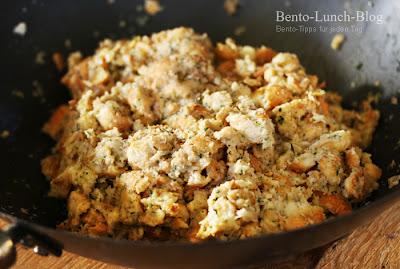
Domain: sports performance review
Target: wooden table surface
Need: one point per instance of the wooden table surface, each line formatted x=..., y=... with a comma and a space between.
x=376, y=245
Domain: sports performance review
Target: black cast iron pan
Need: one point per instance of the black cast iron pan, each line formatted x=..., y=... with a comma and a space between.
x=373, y=54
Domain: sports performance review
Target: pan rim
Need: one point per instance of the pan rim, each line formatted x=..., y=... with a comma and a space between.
x=392, y=196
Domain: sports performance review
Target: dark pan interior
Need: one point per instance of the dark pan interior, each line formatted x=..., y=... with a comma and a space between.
x=23, y=190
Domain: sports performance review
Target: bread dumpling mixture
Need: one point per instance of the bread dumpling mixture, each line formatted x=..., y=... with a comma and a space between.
x=168, y=137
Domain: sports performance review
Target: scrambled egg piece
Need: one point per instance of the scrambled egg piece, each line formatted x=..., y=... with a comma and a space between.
x=168, y=137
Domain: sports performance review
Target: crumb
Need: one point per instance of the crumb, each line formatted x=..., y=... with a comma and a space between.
x=352, y=84
x=239, y=30
x=122, y=24
x=18, y=93
x=139, y=8
x=392, y=165
x=231, y=6
x=110, y=2
x=24, y=211
x=20, y=29
x=377, y=83
x=74, y=58
x=397, y=146
x=394, y=100
x=67, y=43
x=58, y=60
x=96, y=33
x=40, y=58
x=322, y=85
x=4, y=134
x=152, y=7
x=337, y=41
x=37, y=91
x=393, y=181
x=142, y=20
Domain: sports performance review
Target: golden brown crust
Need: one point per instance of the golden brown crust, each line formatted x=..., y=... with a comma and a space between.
x=58, y=60
x=336, y=204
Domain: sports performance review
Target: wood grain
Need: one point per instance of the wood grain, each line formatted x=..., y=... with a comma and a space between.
x=376, y=245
